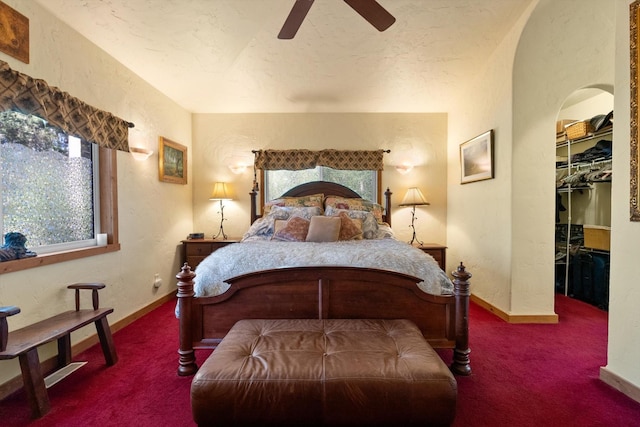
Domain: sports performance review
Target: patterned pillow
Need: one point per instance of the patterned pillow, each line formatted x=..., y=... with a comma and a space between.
x=262, y=228
x=355, y=204
x=323, y=229
x=314, y=200
x=350, y=229
x=369, y=223
x=385, y=232
x=280, y=212
x=295, y=230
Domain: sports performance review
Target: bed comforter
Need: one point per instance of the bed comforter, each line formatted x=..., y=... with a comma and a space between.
x=249, y=256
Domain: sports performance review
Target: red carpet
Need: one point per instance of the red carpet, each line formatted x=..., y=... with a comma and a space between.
x=523, y=375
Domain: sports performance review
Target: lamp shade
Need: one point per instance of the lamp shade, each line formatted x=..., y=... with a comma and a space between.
x=414, y=197
x=221, y=191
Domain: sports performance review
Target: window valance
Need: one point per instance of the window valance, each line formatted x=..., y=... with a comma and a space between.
x=308, y=159
x=27, y=95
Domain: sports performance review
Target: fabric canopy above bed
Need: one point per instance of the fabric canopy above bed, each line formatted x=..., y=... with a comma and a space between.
x=386, y=254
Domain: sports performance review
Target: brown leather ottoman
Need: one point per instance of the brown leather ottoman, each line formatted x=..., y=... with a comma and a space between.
x=308, y=372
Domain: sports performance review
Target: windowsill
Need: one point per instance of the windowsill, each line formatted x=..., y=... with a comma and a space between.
x=55, y=257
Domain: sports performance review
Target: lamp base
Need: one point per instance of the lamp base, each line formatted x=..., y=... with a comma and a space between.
x=414, y=238
x=221, y=230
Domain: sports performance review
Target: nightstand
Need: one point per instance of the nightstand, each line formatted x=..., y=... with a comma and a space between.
x=195, y=250
x=438, y=252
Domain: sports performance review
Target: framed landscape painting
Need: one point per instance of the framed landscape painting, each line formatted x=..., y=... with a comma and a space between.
x=172, y=161
x=476, y=158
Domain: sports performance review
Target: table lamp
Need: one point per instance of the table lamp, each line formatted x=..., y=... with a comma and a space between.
x=413, y=198
x=221, y=192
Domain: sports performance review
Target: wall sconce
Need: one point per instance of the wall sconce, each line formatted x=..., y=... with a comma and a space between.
x=140, y=154
x=414, y=197
x=404, y=168
x=136, y=142
x=221, y=191
x=238, y=169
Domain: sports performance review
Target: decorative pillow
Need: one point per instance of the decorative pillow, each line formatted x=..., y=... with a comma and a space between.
x=385, y=232
x=355, y=204
x=280, y=212
x=314, y=200
x=323, y=229
x=369, y=223
x=350, y=229
x=295, y=230
x=262, y=228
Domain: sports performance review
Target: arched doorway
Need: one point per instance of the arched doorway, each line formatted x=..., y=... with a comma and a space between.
x=584, y=136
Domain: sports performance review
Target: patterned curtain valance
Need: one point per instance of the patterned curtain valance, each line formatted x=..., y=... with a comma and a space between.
x=307, y=159
x=27, y=95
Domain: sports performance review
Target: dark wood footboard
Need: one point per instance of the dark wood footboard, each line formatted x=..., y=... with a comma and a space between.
x=324, y=293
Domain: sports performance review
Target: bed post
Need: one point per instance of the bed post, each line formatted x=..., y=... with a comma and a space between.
x=387, y=205
x=187, y=361
x=461, y=352
x=254, y=214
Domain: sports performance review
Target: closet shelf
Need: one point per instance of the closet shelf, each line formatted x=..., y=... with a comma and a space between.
x=589, y=137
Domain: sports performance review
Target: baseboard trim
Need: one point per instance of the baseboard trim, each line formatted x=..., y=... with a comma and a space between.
x=50, y=365
x=515, y=318
x=623, y=386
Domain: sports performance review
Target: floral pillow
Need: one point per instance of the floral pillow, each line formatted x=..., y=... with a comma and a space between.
x=369, y=223
x=294, y=230
x=355, y=204
x=286, y=212
x=350, y=229
x=314, y=200
x=261, y=229
x=264, y=227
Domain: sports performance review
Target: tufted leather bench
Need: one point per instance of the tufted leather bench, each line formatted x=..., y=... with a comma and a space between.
x=310, y=372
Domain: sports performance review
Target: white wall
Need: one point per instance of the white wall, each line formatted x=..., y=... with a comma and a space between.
x=564, y=47
x=153, y=216
x=479, y=213
x=624, y=323
x=220, y=138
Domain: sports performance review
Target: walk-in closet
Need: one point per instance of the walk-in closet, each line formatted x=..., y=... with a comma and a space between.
x=584, y=151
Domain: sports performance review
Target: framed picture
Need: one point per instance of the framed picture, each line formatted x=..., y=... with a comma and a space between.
x=172, y=161
x=476, y=158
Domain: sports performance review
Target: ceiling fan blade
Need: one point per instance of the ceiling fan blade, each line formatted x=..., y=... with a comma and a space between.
x=295, y=18
x=373, y=12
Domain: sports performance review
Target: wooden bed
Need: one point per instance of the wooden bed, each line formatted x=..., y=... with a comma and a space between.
x=328, y=292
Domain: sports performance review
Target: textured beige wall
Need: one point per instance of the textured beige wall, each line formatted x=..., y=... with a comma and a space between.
x=479, y=214
x=153, y=216
x=551, y=63
x=220, y=139
x=624, y=293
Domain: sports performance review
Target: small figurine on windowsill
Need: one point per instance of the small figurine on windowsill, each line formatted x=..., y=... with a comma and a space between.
x=14, y=247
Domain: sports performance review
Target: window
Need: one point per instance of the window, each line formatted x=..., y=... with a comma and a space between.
x=50, y=183
x=364, y=182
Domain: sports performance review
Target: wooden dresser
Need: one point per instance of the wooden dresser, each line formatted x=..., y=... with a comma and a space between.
x=195, y=250
x=439, y=252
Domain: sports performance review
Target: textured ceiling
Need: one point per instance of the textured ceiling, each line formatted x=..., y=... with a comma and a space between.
x=224, y=55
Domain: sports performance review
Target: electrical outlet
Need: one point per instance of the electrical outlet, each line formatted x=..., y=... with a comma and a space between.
x=157, y=281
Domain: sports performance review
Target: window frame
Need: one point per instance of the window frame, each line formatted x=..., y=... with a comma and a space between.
x=108, y=170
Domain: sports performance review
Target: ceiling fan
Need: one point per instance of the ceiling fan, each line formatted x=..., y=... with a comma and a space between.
x=370, y=10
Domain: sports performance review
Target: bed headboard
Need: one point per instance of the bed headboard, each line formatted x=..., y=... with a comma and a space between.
x=326, y=188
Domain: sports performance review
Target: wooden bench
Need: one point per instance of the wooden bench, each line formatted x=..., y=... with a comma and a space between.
x=23, y=343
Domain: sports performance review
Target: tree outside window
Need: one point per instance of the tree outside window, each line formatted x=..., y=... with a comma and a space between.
x=363, y=182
